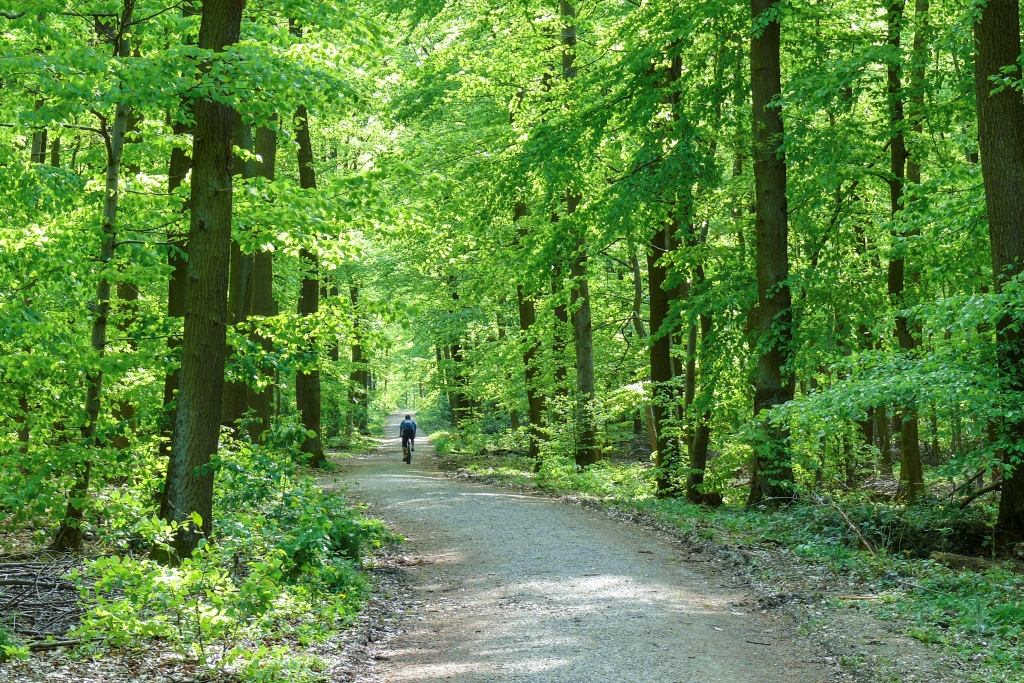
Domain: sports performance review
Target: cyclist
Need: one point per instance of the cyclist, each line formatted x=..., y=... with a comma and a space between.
x=408, y=431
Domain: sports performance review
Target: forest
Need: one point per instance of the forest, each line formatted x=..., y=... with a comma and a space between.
x=747, y=266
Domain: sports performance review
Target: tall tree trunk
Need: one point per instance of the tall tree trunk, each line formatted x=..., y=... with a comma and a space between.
x=39, y=147
x=38, y=151
x=772, y=470
x=587, y=451
x=263, y=303
x=638, y=325
x=911, y=474
x=189, y=486
x=702, y=430
x=460, y=404
x=307, y=384
x=358, y=376
x=956, y=433
x=24, y=431
x=661, y=350
x=444, y=358
x=240, y=281
x=55, y=152
x=936, y=447
x=527, y=319
x=1001, y=142
x=177, y=259
x=69, y=534
x=559, y=342
x=124, y=410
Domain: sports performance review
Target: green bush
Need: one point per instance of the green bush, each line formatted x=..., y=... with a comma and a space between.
x=283, y=563
x=11, y=647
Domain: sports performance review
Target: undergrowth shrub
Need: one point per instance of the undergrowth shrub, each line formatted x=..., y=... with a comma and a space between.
x=11, y=647
x=473, y=439
x=929, y=526
x=911, y=531
x=283, y=566
x=980, y=614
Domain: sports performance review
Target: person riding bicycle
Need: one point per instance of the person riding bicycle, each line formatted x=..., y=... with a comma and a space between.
x=408, y=431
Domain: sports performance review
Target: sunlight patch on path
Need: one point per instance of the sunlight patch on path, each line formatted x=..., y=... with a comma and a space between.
x=523, y=589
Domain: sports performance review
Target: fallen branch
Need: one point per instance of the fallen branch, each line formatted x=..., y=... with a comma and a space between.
x=38, y=583
x=980, y=492
x=54, y=644
x=967, y=483
x=862, y=542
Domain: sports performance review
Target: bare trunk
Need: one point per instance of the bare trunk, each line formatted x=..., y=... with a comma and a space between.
x=884, y=440
x=240, y=283
x=772, y=471
x=307, y=383
x=461, y=407
x=38, y=151
x=358, y=376
x=661, y=351
x=911, y=475
x=1001, y=140
x=124, y=411
x=263, y=303
x=638, y=325
x=177, y=259
x=189, y=486
x=702, y=431
x=587, y=451
x=55, y=152
x=23, y=426
x=69, y=534
x=527, y=319
x=558, y=336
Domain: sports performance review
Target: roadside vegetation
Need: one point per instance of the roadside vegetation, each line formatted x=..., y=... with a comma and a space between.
x=778, y=247
x=284, y=571
x=928, y=570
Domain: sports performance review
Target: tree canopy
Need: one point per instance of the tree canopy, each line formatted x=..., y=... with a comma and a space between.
x=777, y=241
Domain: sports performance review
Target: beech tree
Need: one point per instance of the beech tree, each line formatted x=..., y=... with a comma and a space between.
x=189, y=487
x=1001, y=142
x=771, y=246
x=772, y=471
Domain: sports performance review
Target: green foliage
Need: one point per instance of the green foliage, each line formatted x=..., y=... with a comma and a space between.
x=11, y=647
x=447, y=139
x=979, y=614
x=284, y=564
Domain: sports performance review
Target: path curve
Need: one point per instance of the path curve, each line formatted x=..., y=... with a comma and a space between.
x=520, y=588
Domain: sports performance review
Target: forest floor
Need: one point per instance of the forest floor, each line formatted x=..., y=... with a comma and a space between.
x=513, y=584
x=505, y=585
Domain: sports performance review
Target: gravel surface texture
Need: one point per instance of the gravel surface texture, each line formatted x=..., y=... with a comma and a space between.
x=512, y=587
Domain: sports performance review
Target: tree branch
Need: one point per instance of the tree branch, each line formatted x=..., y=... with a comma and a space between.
x=980, y=492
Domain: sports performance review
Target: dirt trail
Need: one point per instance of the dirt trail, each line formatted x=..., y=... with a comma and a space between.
x=519, y=588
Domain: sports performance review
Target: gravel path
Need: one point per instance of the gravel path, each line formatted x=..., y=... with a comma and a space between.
x=518, y=588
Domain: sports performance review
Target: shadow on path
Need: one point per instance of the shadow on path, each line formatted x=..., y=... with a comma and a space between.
x=519, y=588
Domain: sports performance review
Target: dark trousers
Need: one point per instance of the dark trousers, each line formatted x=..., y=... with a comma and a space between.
x=408, y=437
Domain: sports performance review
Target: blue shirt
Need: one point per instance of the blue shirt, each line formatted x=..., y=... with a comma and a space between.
x=407, y=424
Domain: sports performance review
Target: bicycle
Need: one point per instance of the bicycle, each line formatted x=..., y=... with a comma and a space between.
x=407, y=430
